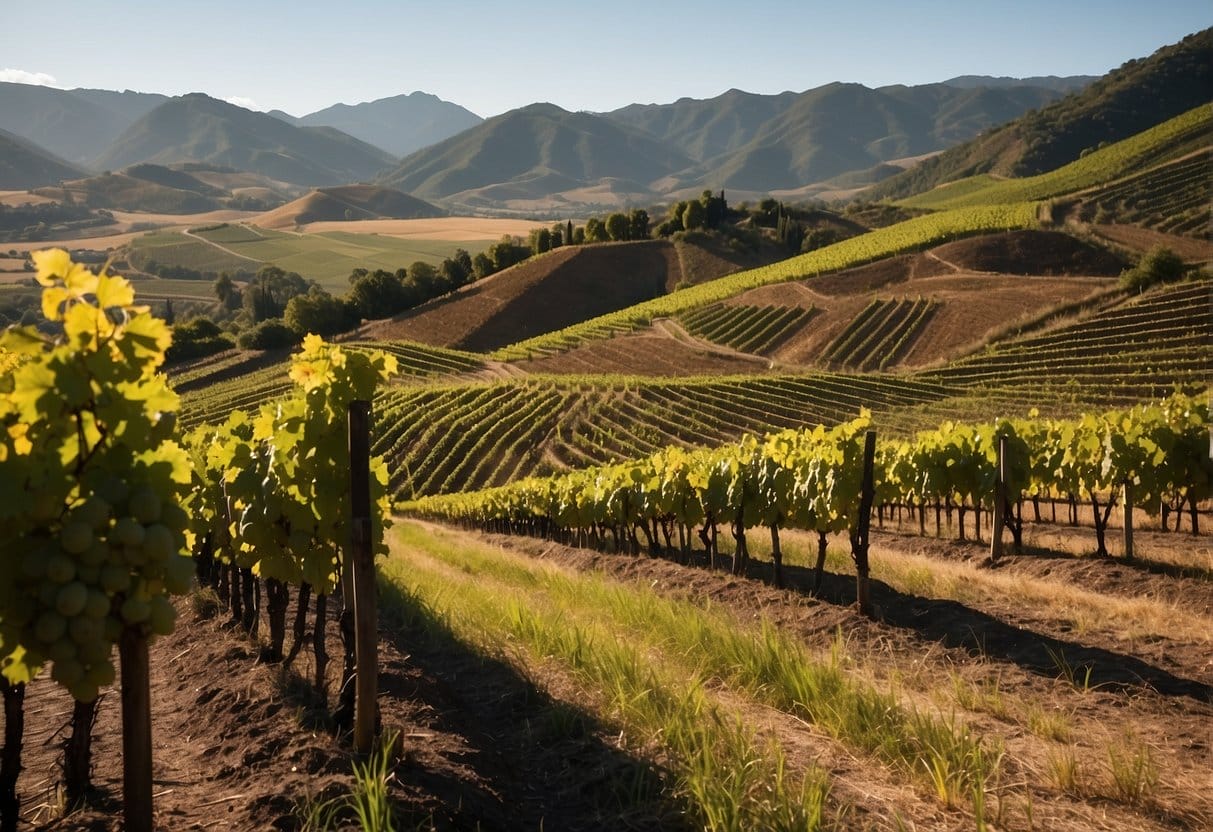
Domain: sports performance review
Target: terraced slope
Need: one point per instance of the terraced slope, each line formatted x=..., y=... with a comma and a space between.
x=880, y=334
x=1136, y=350
x=753, y=329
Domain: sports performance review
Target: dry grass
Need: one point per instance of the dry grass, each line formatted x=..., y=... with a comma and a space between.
x=1084, y=610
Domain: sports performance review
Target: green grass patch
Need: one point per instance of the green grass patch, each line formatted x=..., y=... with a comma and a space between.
x=760, y=660
x=327, y=258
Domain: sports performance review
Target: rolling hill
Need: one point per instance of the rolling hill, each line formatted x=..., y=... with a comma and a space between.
x=25, y=165
x=1128, y=100
x=738, y=140
x=537, y=149
x=401, y=124
x=349, y=202
x=179, y=189
x=762, y=143
x=73, y=124
x=197, y=128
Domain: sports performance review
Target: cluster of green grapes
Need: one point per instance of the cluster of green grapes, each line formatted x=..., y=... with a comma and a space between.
x=106, y=563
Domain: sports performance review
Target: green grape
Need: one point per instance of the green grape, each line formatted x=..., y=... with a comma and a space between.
x=115, y=578
x=114, y=490
x=33, y=564
x=95, y=555
x=100, y=673
x=98, y=604
x=144, y=506
x=128, y=531
x=68, y=672
x=89, y=574
x=50, y=627
x=85, y=630
x=96, y=651
x=135, y=610
x=134, y=555
x=60, y=569
x=162, y=615
x=179, y=575
x=48, y=593
x=159, y=543
x=94, y=511
x=175, y=517
x=76, y=537
x=71, y=599
x=21, y=609
x=46, y=506
x=62, y=650
x=83, y=691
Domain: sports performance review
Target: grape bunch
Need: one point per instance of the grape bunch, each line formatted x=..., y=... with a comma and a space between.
x=106, y=563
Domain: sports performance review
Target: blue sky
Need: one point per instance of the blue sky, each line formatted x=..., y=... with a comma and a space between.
x=492, y=57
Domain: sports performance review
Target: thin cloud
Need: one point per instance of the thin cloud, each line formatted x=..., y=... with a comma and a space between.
x=246, y=103
x=21, y=76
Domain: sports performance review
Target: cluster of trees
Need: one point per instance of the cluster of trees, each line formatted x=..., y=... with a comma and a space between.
x=708, y=212
x=23, y=223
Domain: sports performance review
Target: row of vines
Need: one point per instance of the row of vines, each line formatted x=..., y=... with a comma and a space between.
x=107, y=511
x=810, y=479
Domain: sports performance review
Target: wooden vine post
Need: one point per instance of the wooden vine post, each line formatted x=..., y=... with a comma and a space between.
x=362, y=566
x=136, y=731
x=1000, y=500
x=859, y=545
x=1128, y=520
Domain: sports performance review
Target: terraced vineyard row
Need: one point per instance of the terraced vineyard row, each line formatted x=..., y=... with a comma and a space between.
x=440, y=439
x=912, y=234
x=1135, y=351
x=1102, y=166
x=244, y=392
x=416, y=359
x=1173, y=198
x=880, y=334
x=753, y=329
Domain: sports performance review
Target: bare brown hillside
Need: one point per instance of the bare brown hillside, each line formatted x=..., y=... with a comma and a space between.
x=545, y=293
x=348, y=202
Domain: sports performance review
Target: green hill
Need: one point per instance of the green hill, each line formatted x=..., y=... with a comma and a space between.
x=72, y=124
x=530, y=144
x=197, y=128
x=1126, y=101
x=25, y=165
x=764, y=143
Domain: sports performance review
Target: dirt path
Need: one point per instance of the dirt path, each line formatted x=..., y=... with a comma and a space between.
x=188, y=233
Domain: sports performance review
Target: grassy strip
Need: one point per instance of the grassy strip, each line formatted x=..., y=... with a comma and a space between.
x=726, y=779
x=931, y=577
x=766, y=664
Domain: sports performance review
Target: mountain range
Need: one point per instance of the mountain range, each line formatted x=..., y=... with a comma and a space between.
x=542, y=158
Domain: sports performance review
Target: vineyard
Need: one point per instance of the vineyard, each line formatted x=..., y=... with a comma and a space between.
x=1174, y=198
x=781, y=572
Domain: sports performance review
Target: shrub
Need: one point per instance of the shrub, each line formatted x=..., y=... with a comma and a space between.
x=1158, y=265
x=270, y=334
